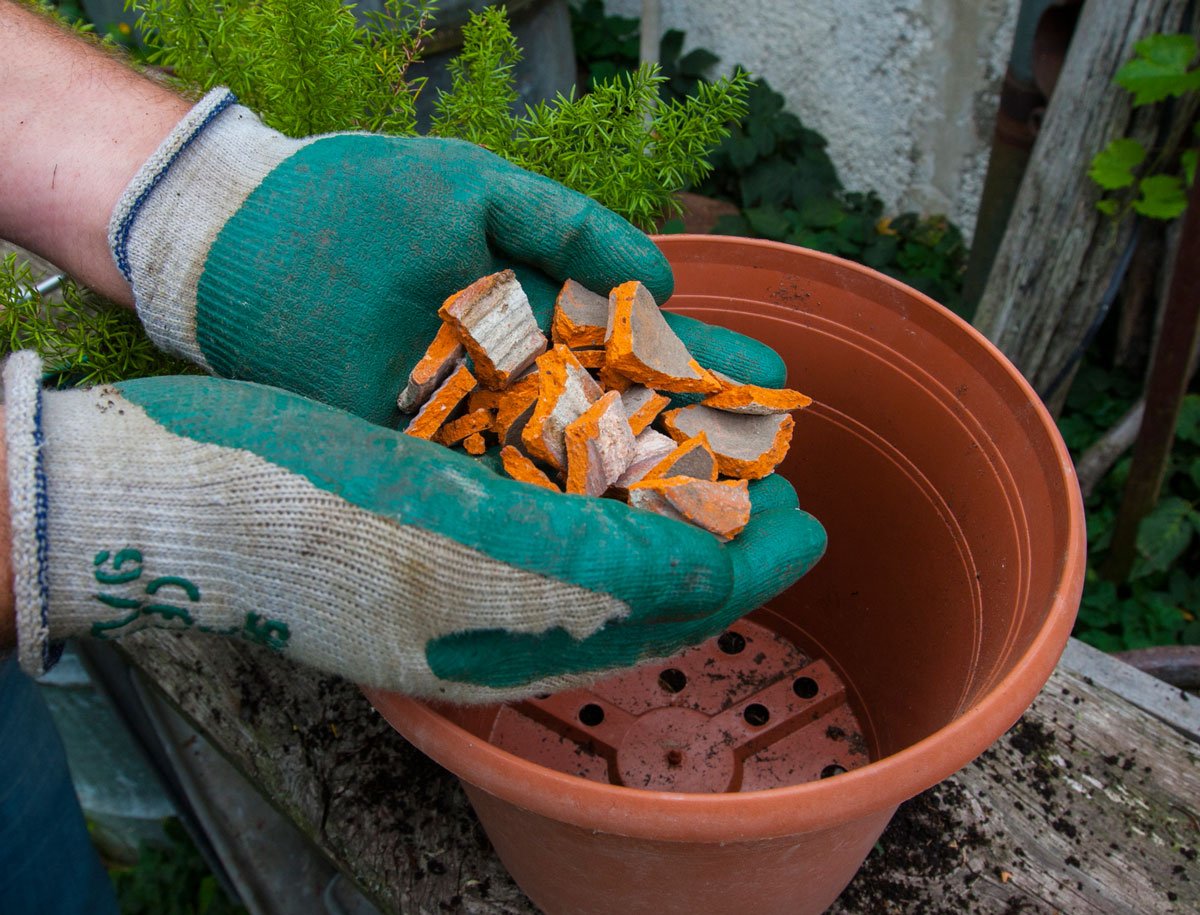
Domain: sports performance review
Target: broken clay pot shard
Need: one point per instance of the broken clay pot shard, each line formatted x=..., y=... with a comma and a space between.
x=514, y=409
x=580, y=316
x=599, y=446
x=565, y=391
x=441, y=358
x=749, y=398
x=721, y=508
x=642, y=406
x=641, y=345
x=520, y=468
x=441, y=404
x=649, y=448
x=469, y=424
x=691, y=458
x=495, y=324
x=747, y=446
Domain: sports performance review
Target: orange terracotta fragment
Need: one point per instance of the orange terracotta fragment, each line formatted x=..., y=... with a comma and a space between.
x=495, y=324
x=475, y=444
x=692, y=458
x=749, y=398
x=642, y=406
x=649, y=447
x=441, y=404
x=747, y=446
x=565, y=391
x=611, y=379
x=456, y=430
x=483, y=399
x=641, y=345
x=599, y=445
x=440, y=359
x=519, y=467
x=590, y=357
x=580, y=316
x=514, y=409
x=721, y=508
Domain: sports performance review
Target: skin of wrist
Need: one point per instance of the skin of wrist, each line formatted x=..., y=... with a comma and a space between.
x=76, y=123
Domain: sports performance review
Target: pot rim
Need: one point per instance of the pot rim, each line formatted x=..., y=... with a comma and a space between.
x=775, y=812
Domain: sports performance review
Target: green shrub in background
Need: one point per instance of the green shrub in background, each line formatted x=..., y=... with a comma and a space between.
x=82, y=338
x=309, y=66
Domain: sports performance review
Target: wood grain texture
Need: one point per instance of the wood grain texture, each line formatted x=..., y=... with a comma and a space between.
x=1058, y=253
x=1087, y=804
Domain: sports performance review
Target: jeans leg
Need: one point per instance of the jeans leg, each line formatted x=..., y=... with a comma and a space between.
x=48, y=865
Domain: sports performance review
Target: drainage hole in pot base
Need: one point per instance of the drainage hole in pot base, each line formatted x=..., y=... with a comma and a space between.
x=745, y=711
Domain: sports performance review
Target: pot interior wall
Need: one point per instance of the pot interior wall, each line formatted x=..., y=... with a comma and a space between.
x=923, y=459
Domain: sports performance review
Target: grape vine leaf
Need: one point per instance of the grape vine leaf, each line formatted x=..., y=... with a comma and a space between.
x=1160, y=68
x=1162, y=197
x=1113, y=166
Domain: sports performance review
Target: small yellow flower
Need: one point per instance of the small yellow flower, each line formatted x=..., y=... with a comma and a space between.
x=124, y=29
x=884, y=226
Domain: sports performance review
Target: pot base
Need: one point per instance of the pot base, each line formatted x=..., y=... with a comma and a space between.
x=745, y=711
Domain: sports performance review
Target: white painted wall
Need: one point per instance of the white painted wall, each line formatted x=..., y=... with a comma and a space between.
x=904, y=90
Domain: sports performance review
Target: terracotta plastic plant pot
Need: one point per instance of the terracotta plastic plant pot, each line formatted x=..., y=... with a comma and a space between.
x=954, y=571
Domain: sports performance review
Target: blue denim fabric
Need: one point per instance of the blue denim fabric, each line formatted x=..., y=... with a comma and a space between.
x=47, y=863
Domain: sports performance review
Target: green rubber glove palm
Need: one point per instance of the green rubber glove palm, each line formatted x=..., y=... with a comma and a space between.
x=239, y=509
x=318, y=265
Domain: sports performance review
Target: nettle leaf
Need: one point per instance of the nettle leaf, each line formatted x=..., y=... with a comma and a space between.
x=1160, y=68
x=1107, y=207
x=1163, y=197
x=1113, y=166
x=1166, y=532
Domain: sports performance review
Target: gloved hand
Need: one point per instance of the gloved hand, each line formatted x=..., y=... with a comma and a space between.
x=234, y=508
x=318, y=265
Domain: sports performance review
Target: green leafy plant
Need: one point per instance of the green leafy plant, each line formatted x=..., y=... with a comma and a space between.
x=305, y=67
x=172, y=879
x=82, y=338
x=1133, y=179
x=308, y=66
x=621, y=143
x=1160, y=602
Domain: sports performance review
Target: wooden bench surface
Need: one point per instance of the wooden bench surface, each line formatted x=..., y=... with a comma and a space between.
x=1087, y=804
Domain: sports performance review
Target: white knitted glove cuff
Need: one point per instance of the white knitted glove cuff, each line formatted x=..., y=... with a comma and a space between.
x=27, y=509
x=166, y=220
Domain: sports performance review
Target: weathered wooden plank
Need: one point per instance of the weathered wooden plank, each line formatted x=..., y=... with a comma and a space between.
x=395, y=822
x=1088, y=804
x=1058, y=253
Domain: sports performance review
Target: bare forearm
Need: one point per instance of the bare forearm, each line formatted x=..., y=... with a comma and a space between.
x=75, y=125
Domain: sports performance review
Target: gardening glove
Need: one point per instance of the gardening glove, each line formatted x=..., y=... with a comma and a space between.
x=235, y=508
x=318, y=265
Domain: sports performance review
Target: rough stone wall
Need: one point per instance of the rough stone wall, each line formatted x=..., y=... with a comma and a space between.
x=904, y=90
